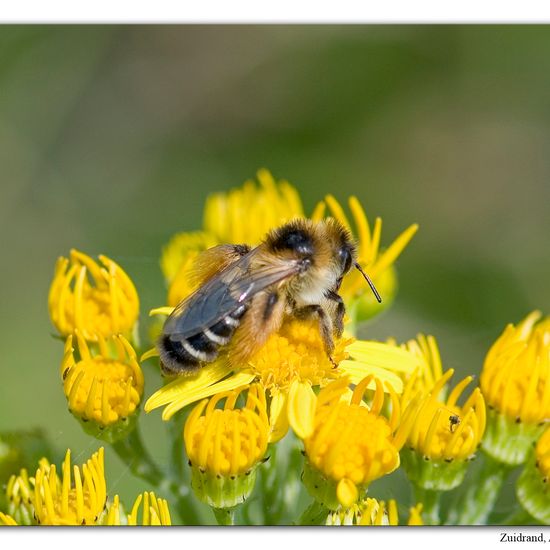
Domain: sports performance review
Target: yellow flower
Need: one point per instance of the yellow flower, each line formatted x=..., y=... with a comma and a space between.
x=379, y=265
x=92, y=298
x=515, y=382
x=155, y=511
x=445, y=435
x=103, y=387
x=288, y=366
x=532, y=487
x=351, y=444
x=224, y=446
x=80, y=501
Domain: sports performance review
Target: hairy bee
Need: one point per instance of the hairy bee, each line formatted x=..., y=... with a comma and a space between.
x=244, y=294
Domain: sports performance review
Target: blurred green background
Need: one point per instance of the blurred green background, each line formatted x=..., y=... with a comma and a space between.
x=111, y=137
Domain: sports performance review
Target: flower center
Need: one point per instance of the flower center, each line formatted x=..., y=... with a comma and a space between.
x=296, y=352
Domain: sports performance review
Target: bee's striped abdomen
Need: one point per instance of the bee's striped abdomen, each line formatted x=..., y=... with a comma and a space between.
x=190, y=354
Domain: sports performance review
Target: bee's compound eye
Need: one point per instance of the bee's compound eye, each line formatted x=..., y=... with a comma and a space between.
x=345, y=259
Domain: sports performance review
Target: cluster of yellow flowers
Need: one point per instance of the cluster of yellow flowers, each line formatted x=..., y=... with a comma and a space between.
x=386, y=405
x=47, y=499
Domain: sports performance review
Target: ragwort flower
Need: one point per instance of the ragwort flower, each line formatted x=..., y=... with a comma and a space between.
x=444, y=436
x=104, y=386
x=92, y=298
x=515, y=382
x=79, y=500
x=351, y=443
x=225, y=446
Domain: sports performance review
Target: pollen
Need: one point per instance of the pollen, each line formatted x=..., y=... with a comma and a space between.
x=105, y=385
x=296, y=352
x=93, y=298
x=71, y=500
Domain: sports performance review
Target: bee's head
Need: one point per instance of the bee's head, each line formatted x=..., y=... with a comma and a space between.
x=342, y=244
x=345, y=252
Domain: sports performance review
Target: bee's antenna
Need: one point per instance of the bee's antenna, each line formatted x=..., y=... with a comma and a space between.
x=371, y=284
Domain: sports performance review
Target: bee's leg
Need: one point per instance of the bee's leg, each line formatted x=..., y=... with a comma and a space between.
x=325, y=326
x=338, y=319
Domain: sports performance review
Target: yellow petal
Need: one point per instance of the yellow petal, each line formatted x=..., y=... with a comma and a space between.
x=389, y=256
x=278, y=418
x=358, y=370
x=153, y=352
x=231, y=383
x=386, y=356
x=301, y=408
x=346, y=492
x=184, y=384
x=165, y=310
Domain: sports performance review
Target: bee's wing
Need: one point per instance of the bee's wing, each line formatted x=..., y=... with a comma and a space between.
x=224, y=293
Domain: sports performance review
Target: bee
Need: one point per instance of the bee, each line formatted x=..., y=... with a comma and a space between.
x=244, y=294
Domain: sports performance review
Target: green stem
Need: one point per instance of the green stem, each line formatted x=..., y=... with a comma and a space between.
x=224, y=516
x=315, y=514
x=132, y=452
x=177, y=458
x=270, y=489
x=480, y=497
x=430, y=504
